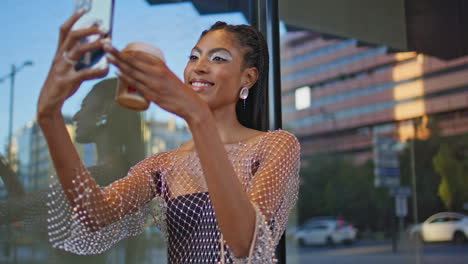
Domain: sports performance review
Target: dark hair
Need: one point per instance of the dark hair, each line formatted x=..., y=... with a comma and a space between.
x=250, y=113
x=124, y=127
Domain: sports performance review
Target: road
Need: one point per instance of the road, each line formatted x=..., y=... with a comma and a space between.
x=381, y=253
x=360, y=253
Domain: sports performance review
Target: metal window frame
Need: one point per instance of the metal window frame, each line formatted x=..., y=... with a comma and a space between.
x=265, y=16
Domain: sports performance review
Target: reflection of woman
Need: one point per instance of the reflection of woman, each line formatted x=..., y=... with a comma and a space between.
x=118, y=137
x=115, y=131
x=101, y=121
x=119, y=145
x=223, y=196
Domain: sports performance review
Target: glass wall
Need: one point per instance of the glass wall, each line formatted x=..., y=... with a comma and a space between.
x=109, y=139
x=382, y=133
x=383, y=136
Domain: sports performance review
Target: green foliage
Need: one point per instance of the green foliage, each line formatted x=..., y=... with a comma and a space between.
x=445, y=194
x=334, y=186
x=448, y=168
x=427, y=179
x=451, y=163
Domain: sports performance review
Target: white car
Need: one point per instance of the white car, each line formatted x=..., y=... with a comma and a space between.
x=441, y=227
x=325, y=231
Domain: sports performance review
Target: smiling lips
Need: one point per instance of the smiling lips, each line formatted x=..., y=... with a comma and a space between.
x=199, y=86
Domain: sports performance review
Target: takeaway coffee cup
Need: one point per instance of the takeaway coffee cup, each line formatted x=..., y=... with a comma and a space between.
x=127, y=96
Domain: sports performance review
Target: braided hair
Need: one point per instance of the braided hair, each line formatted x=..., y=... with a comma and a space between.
x=249, y=113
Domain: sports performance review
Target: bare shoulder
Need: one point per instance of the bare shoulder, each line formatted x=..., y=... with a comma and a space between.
x=280, y=136
x=252, y=135
x=158, y=161
x=280, y=141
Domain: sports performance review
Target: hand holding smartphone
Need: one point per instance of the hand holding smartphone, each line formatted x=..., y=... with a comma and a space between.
x=99, y=13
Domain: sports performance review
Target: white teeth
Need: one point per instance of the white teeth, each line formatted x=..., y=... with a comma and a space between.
x=200, y=84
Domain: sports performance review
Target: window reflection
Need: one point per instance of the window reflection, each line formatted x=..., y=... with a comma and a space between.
x=361, y=95
x=109, y=139
x=357, y=91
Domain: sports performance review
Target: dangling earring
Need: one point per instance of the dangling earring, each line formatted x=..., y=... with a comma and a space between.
x=244, y=93
x=102, y=120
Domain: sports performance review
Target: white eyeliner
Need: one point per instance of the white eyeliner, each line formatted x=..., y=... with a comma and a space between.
x=222, y=55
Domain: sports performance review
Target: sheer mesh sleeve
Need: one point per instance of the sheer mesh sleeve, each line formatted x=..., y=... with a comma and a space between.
x=273, y=193
x=172, y=188
x=97, y=218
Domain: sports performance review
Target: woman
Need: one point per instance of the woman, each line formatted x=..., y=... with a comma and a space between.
x=224, y=196
x=111, y=128
x=119, y=146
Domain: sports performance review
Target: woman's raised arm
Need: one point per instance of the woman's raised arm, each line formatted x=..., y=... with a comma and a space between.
x=83, y=217
x=61, y=83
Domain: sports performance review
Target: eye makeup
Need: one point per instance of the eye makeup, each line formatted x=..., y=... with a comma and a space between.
x=194, y=53
x=222, y=54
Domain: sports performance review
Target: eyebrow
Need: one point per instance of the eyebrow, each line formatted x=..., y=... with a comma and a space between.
x=212, y=50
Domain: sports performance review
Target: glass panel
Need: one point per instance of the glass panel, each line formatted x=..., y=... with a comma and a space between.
x=109, y=138
x=383, y=140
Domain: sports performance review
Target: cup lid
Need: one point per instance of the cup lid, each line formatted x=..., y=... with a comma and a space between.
x=145, y=47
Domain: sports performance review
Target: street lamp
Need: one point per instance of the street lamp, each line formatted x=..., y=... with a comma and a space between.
x=11, y=75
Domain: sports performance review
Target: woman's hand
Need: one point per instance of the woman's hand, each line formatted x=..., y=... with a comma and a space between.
x=150, y=75
x=62, y=80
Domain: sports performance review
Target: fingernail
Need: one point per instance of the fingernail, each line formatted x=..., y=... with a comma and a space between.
x=107, y=45
x=110, y=57
x=105, y=40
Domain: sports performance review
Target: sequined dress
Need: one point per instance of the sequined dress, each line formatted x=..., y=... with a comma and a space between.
x=170, y=188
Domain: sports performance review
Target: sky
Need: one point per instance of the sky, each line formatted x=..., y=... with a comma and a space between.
x=30, y=29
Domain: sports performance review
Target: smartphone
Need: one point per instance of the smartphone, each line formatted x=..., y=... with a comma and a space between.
x=99, y=13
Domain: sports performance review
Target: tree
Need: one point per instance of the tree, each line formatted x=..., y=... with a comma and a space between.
x=427, y=179
x=451, y=164
x=335, y=186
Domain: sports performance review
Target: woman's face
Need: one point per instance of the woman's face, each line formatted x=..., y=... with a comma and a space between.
x=215, y=69
x=87, y=118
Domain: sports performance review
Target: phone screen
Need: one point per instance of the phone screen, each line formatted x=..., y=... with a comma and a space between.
x=99, y=13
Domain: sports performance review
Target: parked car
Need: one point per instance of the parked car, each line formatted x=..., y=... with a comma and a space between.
x=325, y=231
x=446, y=226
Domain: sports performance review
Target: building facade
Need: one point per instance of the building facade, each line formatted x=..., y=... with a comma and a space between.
x=33, y=162
x=338, y=93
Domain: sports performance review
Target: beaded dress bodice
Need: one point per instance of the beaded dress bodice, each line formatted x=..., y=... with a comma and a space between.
x=193, y=237
x=171, y=188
